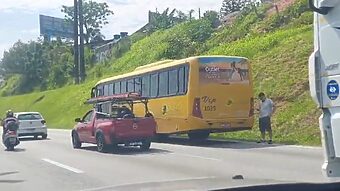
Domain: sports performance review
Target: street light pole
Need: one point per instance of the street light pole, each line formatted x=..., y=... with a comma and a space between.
x=76, y=47
x=81, y=47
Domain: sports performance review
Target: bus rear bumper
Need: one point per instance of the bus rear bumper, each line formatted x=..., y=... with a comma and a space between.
x=225, y=125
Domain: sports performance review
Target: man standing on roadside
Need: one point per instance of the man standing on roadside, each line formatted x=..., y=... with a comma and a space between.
x=267, y=108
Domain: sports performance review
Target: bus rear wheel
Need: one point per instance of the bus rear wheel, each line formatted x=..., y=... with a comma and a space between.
x=198, y=135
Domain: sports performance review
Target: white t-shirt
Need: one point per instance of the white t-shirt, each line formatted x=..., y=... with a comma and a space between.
x=266, y=108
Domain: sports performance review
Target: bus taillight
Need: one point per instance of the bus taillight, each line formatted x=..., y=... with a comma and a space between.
x=251, y=111
x=196, y=111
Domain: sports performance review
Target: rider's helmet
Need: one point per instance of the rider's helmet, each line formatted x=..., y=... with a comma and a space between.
x=9, y=113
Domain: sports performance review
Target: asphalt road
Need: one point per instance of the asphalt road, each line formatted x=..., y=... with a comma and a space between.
x=178, y=164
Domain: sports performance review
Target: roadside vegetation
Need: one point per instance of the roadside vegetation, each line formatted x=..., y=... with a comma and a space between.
x=278, y=45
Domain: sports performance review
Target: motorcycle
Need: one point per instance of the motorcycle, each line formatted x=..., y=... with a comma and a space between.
x=10, y=140
x=10, y=137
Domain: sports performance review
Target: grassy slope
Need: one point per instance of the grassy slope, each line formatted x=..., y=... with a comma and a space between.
x=59, y=107
x=280, y=69
x=279, y=61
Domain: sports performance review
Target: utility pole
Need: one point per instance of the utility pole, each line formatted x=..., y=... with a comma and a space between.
x=76, y=47
x=81, y=47
x=199, y=13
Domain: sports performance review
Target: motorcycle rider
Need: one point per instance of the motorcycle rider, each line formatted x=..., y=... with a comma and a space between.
x=9, y=118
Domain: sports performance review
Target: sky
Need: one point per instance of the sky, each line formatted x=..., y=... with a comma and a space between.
x=19, y=19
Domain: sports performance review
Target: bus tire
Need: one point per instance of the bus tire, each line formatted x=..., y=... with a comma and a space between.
x=198, y=135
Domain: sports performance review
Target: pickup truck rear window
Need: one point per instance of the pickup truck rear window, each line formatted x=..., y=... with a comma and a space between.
x=29, y=116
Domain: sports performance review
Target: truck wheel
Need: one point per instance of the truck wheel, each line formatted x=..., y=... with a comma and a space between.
x=145, y=145
x=75, y=141
x=101, y=145
x=44, y=136
x=199, y=136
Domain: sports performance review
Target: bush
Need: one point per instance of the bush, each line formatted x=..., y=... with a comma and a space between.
x=290, y=14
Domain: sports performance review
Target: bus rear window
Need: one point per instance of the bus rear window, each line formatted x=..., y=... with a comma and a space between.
x=223, y=70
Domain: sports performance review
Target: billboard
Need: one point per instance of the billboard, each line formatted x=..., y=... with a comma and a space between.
x=223, y=70
x=55, y=27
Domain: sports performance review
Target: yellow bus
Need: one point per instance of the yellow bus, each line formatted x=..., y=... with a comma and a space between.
x=195, y=96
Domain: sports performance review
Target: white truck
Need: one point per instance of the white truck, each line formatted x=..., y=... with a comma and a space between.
x=324, y=79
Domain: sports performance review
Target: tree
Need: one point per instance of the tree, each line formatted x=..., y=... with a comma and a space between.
x=181, y=15
x=191, y=12
x=40, y=64
x=212, y=17
x=95, y=17
x=166, y=19
x=231, y=6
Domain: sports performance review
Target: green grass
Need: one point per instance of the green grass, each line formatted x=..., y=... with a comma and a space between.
x=279, y=65
x=59, y=107
x=280, y=69
x=10, y=85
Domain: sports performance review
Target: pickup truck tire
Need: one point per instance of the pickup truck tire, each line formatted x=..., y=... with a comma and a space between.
x=75, y=141
x=101, y=145
x=146, y=144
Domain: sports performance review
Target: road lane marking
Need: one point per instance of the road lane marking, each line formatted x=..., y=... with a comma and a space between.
x=63, y=166
x=196, y=156
x=136, y=183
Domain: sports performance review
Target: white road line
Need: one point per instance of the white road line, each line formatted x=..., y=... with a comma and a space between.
x=196, y=156
x=63, y=166
x=169, y=180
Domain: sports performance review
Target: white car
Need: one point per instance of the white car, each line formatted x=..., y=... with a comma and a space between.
x=31, y=124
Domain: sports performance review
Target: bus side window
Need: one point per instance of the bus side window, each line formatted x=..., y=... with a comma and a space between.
x=146, y=86
x=173, y=82
x=131, y=85
x=138, y=85
x=154, y=85
x=106, y=90
x=186, y=79
x=181, y=80
x=110, y=89
x=123, y=87
x=163, y=83
x=117, y=88
x=100, y=91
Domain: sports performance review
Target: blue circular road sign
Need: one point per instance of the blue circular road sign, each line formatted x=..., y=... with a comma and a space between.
x=333, y=90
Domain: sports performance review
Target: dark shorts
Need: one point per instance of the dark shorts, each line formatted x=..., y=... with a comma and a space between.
x=264, y=124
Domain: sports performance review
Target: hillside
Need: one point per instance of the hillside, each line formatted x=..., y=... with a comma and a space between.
x=278, y=46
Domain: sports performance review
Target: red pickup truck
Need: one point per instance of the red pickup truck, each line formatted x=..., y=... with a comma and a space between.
x=114, y=127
